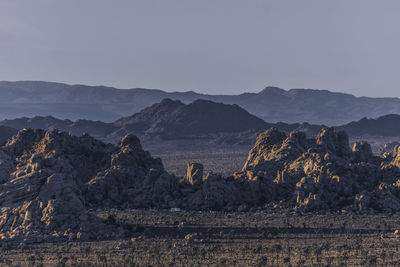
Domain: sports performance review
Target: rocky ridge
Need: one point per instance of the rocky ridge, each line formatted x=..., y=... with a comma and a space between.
x=50, y=181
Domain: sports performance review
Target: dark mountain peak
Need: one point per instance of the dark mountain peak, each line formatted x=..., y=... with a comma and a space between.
x=142, y=120
x=204, y=102
x=166, y=105
x=167, y=102
x=273, y=90
x=173, y=119
x=389, y=117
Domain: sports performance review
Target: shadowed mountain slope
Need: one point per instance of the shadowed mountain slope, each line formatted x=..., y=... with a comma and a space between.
x=173, y=119
x=388, y=125
x=168, y=119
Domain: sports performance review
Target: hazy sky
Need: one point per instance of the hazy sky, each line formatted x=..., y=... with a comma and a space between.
x=210, y=46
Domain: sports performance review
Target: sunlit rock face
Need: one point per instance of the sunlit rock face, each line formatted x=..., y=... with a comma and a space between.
x=194, y=174
x=50, y=179
x=321, y=173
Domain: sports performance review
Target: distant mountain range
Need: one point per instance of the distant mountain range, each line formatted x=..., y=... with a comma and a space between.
x=35, y=98
x=201, y=119
x=167, y=120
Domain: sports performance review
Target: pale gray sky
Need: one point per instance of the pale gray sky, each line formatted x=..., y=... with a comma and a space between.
x=210, y=46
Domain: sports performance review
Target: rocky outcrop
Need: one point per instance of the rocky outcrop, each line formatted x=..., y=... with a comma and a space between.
x=321, y=173
x=215, y=193
x=133, y=179
x=50, y=181
x=396, y=157
x=194, y=174
x=362, y=152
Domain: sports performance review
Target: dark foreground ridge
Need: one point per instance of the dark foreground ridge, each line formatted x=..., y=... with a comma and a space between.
x=52, y=180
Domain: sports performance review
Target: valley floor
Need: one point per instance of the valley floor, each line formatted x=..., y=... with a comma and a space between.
x=251, y=238
x=223, y=159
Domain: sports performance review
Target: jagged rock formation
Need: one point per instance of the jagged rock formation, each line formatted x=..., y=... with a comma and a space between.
x=49, y=180
x=134, y=178
x=322, y=173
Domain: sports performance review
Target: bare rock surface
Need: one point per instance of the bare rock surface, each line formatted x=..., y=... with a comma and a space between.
x=322, y=173
x=50, y=181
x=194, y=174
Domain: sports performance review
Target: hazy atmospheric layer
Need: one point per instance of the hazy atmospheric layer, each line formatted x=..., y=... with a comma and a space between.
x=224, y=46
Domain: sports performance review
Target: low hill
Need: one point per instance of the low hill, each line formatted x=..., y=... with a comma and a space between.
x=95, y=128
x=173, y=119
x=388, y=125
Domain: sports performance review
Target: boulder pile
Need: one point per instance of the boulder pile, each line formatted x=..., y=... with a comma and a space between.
x=322, y=173
x=50, y=181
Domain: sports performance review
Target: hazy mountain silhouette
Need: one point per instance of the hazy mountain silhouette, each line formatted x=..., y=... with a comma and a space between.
x=28, y=99
x=173, y=120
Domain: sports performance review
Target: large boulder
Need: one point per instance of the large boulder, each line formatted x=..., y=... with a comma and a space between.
x=362, y=151
x=216, y=193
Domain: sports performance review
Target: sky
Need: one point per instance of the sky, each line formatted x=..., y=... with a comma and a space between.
x=208, y=46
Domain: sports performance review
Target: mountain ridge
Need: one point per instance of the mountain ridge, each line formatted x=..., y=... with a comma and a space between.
x=272, y=104
x=173, y=120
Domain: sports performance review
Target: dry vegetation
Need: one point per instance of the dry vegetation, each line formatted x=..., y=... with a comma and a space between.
x=248, y=238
